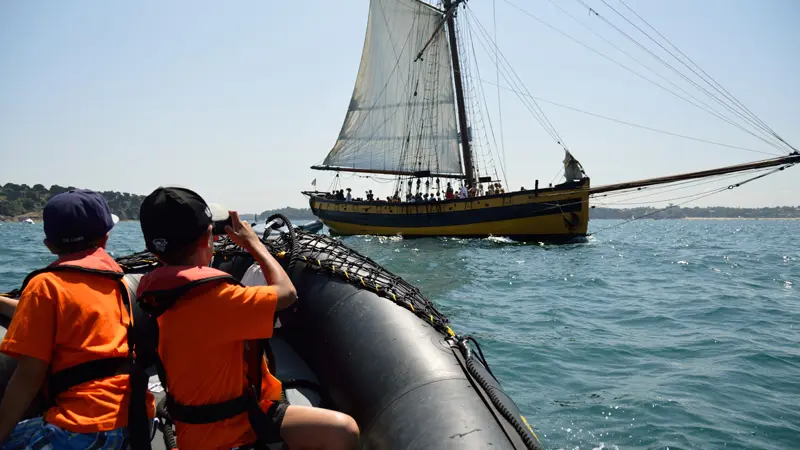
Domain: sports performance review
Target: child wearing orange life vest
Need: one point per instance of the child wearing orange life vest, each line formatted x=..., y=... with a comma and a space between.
x=70, y=326
x=218, y=398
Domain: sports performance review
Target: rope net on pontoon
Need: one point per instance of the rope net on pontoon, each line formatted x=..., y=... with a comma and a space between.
x=324, y=254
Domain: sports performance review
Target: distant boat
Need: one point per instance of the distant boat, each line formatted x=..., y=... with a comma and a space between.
x=408, y=121
x=312, y=227
x=28, y=220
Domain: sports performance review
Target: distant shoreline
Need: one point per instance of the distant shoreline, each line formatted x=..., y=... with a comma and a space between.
x=36, y=217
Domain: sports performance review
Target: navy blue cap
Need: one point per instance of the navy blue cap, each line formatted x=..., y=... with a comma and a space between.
x=77, y=216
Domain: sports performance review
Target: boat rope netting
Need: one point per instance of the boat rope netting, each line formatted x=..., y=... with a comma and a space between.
x=328, y=255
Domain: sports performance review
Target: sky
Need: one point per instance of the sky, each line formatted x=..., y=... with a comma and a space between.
x=237, y=100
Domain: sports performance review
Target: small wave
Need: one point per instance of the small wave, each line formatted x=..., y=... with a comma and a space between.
x=500, y=240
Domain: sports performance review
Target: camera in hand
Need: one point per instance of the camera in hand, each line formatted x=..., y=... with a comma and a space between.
x=218, y=227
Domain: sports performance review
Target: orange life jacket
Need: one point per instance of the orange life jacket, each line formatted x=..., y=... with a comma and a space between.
x=157, y=292
x=94, y=264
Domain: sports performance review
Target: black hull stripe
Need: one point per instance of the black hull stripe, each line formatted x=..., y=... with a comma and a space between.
x=451, y=218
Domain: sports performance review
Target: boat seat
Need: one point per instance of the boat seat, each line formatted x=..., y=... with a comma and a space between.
x=291, y=367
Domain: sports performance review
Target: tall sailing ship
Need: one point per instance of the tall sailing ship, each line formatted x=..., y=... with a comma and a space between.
x=409, y=120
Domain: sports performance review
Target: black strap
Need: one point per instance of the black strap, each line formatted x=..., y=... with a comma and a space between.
x=93, y=370
x=63, y=380
x=143, y=340
x=158, y=302
x=209, y=412
x=270, y=355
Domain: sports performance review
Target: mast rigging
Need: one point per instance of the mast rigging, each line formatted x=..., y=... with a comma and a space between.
x=466, y=151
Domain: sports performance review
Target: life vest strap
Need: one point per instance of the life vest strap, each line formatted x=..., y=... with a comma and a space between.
x=98, y=369
x=209, y=412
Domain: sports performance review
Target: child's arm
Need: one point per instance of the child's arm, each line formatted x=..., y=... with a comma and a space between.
x=21, y=390
x=244, y=236
x=8, y=306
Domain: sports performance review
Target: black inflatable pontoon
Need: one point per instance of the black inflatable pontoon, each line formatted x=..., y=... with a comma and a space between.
x=365, y=342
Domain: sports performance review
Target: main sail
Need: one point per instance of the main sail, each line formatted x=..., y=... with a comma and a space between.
x=402, y=117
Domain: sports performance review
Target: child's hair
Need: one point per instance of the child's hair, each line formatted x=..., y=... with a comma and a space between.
x=179, y=257
x=74, y=247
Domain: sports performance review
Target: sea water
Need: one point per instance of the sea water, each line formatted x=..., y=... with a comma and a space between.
x=653, y=334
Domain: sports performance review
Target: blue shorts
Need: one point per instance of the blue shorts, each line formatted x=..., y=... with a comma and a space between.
x=36, y=434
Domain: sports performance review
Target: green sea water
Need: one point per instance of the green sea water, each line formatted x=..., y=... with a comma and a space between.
x=655, y=334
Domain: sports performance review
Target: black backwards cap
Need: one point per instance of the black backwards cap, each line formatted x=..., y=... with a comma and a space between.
x=173, y=218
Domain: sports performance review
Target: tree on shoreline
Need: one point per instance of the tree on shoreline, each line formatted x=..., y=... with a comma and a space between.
x=20, y=199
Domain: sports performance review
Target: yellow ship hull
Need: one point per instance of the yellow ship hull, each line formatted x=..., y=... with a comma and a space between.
x=560, y=213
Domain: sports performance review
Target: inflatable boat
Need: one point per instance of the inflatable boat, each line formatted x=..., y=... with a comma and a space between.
x=365, y=342
x=312, y=227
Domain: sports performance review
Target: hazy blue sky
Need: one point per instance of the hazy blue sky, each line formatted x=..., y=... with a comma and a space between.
x=238, y=99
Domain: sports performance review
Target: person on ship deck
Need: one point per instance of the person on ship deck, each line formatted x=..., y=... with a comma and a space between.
x=449, y=195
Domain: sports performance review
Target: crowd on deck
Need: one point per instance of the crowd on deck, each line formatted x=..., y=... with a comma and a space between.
x=464, y=191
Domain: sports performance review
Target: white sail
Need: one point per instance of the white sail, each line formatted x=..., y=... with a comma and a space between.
x=573, y=171
x=402, y=113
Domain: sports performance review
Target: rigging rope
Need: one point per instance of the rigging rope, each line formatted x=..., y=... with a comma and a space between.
x=697, y=103
x=636, y=125
x=499, y=104
x=697, y=197
x=753, y=123
x=640, y=63
x=705, y=76
x=650, y=191
x=503, y=64
x=477, y=104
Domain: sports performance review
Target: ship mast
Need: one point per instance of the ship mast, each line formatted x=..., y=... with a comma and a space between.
x=450, y=6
